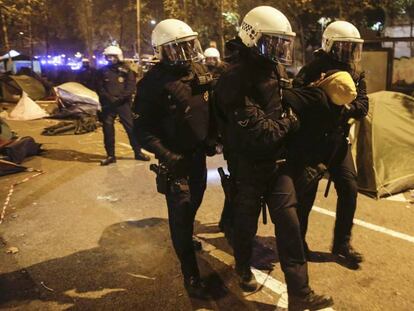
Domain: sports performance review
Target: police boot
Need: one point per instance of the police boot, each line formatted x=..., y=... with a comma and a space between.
x=142, y=156
x=195, y=287
x=108, y=160
x=310, y=301
x=346, y=251
x=247, y=281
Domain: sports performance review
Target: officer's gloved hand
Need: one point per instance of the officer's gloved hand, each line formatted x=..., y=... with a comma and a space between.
x=181, y=92
x=173, y=161
x=113, y=100
x=294, y=120
x=212, y=148
x=347, y=113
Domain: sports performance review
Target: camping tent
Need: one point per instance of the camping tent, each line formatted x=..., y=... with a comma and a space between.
x=27, y=109
x=385, y=145
x=13, y=86
x=7, y=168
x=75, y=100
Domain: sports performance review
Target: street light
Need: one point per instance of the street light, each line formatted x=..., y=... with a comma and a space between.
x=21, y=33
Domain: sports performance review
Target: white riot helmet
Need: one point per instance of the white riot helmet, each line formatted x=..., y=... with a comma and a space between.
x=113, y=50
x=212, y=52
x=212, y=56
x=175, y=42
x=269, y=32
x=342, y=41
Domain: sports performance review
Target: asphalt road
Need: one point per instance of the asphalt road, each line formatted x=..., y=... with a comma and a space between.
x=96, y=238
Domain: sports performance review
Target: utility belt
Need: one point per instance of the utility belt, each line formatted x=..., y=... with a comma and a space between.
x=259, y=167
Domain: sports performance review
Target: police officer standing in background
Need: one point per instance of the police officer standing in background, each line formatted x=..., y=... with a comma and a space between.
x=172, y=121
x=213, y=62
x=115, y=85
x=341, y=50
x=87, y=74
x=249, y=99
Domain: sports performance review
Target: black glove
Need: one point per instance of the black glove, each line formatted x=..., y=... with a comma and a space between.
x=180, y=92
x=294, y=120
x=111, y=100
x=173, y=161
x=212, y=148
x=347, y=113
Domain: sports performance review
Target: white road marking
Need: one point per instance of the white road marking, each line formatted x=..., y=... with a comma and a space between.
x=398, y=198
x=370, y=226
x=262, y=278
x=212, y=178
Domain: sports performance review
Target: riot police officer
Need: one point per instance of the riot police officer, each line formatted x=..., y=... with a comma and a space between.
x=115, y=87
x=255, y=129
x=172, y=120
x=86, y=74
x=341, y=50
x=213, y=62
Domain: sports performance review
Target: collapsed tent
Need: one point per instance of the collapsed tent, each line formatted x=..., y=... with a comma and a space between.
x=385, y=145
x=7, y=168
x=26, y=109
x=6, y=133
x=75, y=100
x=12, y=87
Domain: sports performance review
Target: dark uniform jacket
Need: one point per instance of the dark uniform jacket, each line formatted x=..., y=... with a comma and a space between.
x=319, y=119
x=172, y=109
x=87, y=76
x=249, y=108
x=115, y=85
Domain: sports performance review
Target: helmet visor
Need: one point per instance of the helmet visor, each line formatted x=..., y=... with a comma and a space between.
x=347, y=52
x=184, y=51
x=277, y=48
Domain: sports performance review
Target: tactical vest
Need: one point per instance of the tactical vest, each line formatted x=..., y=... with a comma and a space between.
x=187, y=121
x=240, y=92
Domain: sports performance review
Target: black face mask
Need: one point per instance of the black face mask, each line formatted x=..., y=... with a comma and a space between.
x=260, y=63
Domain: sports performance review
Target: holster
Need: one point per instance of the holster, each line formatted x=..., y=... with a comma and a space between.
x=226, y=184
x=166, y=182
x=162, y=177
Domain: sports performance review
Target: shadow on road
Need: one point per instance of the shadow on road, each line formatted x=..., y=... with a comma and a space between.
x=133, y=268
x=76, y=156
x=322, y=257
x=72, y=155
